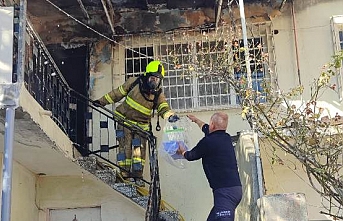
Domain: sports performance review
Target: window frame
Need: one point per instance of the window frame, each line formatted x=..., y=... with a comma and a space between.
x=182, y=38
x=337, y=37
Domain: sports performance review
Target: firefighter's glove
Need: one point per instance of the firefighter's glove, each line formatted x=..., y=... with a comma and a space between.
x=97, y=103
x=173, y=118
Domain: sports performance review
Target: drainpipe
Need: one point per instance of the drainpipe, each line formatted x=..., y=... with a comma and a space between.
x=10, y=106
x=7, y=166
x=296, y=42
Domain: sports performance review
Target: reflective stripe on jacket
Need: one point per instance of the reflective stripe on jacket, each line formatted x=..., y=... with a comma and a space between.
x=143, y=126
x=128, y=162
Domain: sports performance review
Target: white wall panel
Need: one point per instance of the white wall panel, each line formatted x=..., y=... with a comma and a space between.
x=6, y=44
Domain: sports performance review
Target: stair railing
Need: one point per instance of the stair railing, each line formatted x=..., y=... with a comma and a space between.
x=93, y=133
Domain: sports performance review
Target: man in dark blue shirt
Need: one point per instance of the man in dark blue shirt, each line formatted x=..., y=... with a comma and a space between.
x=219, y=164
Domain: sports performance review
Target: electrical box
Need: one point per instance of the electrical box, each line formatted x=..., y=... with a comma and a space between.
x=6, y=44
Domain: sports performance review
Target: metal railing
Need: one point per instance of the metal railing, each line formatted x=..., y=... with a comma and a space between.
x=92, y=129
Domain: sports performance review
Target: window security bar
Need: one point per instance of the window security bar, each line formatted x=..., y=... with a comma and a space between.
x=201, y=63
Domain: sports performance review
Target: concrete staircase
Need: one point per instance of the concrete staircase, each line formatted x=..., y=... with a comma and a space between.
x=139, y=195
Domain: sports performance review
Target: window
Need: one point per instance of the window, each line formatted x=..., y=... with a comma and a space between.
x=136, y=60
x=178, y=83
x=337, y=34
x=337, y=29
x=197, y=63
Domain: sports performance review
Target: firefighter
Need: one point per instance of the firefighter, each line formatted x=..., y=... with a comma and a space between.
x=142, y=95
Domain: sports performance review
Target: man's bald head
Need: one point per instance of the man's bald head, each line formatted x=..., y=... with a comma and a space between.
x=219, y=121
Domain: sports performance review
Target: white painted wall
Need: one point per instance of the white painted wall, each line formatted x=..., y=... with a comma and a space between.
x=315, y=45
x=85, y=191
x=33, y=197
x=23, y=193
x=6, y=44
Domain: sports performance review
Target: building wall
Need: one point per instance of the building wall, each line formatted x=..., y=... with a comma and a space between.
x=315, y=47
x=84, y=191
x=34, y=196
x=314, y=40
x=23, y=199
x=70, y=187
x=187, y=189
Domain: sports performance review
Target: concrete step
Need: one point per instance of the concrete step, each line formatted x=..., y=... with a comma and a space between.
x=109, y=176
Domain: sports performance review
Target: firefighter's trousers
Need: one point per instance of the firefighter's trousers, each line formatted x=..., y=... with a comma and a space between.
x=131, y=155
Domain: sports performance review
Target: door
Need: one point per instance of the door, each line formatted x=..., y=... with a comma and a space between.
x=77, y=214
x=74, y=66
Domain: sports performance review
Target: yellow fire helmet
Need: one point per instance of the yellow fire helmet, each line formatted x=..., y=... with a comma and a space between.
x=155, y=68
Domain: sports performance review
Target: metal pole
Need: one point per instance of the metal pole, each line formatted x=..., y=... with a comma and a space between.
x=7, y=166
x=245, y=42
x=258, y=165
x=247, y=63
x=9, y=123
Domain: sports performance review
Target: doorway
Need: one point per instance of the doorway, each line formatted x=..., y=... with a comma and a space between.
x=73, y=63
x=77, y=214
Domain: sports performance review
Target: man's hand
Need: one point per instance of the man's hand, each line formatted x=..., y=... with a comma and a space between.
x=192, y=118
x=181, y=150
x=173, y=118
x=196, y=120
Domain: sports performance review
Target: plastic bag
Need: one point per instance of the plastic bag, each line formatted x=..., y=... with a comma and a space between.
x=174, y=134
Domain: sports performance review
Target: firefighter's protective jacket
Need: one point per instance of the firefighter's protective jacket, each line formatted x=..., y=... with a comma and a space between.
x=136, y=108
